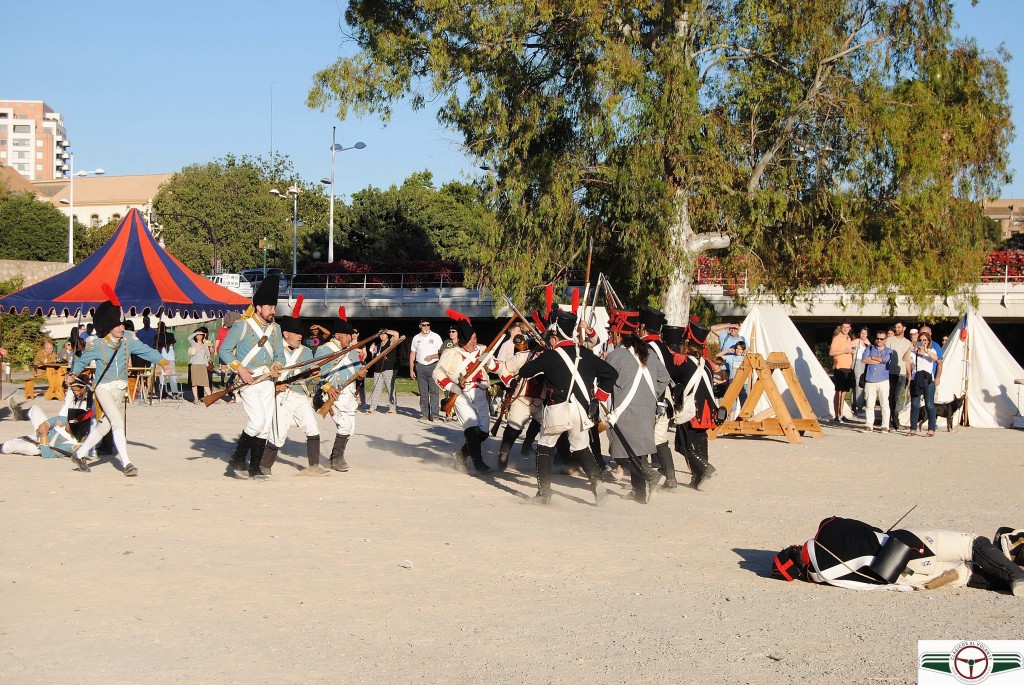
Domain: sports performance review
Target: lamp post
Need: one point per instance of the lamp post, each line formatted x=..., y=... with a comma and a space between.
x=71, y=205
x=293, y=192
x=335, y=148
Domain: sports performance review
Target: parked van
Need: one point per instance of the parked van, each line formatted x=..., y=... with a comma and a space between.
x=256, y=276
x=233, y=282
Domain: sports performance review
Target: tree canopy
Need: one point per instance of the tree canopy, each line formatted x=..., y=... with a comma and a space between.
x=844, y=141
x=32, y=230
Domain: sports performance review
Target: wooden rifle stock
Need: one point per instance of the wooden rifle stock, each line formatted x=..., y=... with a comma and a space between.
x=449, y=405
x=326, y=408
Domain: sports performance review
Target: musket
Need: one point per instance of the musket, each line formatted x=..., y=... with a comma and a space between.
x=210, y=400
x=901, y=518
x=586, y=281
x=449, y=405
x=55, y=449
x=326, y=408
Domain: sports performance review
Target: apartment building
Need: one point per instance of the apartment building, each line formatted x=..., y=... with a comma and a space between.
x=33, y=141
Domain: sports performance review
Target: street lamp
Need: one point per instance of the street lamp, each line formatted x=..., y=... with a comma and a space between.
x=292, y=191
x=335, y=148
x=71, y=205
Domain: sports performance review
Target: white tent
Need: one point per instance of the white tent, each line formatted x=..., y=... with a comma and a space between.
x=769, y=329
x=978, y=363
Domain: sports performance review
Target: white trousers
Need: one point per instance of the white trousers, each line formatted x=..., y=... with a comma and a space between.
x=109, y=397
x=579, y=431
x=952, y=550
x=522, y=410
x=876, y=391
x=472, y=409
x=343, y=411
x=293, y=409
x=258, y=402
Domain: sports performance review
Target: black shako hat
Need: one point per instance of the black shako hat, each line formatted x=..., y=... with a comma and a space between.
x=106, y=318
x=341, y=324
x=564, y=322
x=673, y=335
x=291, y=324
x=652, y=319
x=462, y=325
x=268, y=291
x=696, y=332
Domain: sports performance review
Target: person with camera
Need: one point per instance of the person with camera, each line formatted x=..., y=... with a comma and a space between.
x=923, y=362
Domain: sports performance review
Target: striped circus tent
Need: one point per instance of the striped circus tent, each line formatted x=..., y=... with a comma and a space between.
x=142, y=274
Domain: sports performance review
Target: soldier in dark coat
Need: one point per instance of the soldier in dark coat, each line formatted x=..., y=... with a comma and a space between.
x=578, y=380
x=651, y=322
x=692, y=434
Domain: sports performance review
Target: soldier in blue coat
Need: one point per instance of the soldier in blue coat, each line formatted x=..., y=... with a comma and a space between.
x=254, y=348
x=111, y=352
x=334, y=375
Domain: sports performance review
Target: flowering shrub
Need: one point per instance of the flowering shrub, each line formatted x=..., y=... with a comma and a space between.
x=1002, y=263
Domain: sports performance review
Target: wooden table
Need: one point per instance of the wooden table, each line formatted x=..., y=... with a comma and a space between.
x=55, y=377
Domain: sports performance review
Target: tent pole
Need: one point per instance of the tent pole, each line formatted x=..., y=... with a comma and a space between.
x=965, y=419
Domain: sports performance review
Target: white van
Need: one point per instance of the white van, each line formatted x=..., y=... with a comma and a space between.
x=234, y=283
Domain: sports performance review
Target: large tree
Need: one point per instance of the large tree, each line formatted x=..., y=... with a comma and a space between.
x=228, y=203
x=32, y=230
x=829, y=141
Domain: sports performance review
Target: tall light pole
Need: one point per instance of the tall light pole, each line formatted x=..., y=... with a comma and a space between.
x=292, y=191
x=71, y=205
x=335, y=148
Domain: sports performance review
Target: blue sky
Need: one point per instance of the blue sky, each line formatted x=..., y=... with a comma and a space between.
x=149, y=87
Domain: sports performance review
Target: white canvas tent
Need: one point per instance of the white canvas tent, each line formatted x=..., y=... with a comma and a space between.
x=769, y=329
x=979, y=363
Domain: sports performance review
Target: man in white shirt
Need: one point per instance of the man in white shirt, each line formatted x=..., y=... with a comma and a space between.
x=897, y=373
x=424, y=352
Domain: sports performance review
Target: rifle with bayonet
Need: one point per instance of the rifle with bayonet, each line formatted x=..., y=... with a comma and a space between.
x=449, y=405
x=325, y=409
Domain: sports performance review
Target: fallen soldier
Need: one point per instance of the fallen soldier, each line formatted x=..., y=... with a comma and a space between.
x=53, y=438
x=852, y=554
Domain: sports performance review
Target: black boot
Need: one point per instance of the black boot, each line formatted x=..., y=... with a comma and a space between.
x=338, y=462
x=544, y=463
x=668, y=466
x=532, y=431
x=508, y=438
x=238, y=461
x=313, y=457
x=475, y=439
x=269, y=457
x=994, y=564
x=593, y=471
x=461, y=455
x=256, y=449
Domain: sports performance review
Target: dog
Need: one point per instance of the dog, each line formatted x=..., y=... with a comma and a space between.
x=944, y=409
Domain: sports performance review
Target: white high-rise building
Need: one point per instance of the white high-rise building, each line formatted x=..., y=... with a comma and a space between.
x=33, y=141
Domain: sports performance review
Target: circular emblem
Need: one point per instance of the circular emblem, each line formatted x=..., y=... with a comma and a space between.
x=971, y=662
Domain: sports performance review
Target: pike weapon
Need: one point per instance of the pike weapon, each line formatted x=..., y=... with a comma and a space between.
x=449, y=405
x=326, y=408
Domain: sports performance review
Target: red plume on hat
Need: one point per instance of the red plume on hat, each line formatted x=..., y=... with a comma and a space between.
x=341, y=314
x=111, y=295
x=575, y=300
x=549, y=298
x=693, y=319
x=457, y=316
x=298, y=306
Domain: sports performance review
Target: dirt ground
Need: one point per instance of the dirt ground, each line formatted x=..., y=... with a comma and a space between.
x=403, y=570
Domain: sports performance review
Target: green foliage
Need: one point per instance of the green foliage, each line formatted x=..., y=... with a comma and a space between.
x=229, y=202
x=21, y=336
x=837, y=140
x=32, y=230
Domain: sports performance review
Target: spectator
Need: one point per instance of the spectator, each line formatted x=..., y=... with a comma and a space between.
x=384, y=376
x=65, y=354
x=861, y=343
x=146, y=334
x=200, y=357
x=424, y=352
x=897, y=372
x=733, y=360
x=728, y=335
x=45, y=355
x=922, y=363
x=876, y=360
x=841, y=351
x=164, y=342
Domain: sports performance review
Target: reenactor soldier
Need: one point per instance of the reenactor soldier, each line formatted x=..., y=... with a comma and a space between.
x=334, y=375
x=254, y=348
x=651, y=322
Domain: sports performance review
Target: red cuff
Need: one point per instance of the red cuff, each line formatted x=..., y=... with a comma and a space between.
x=507, y=380
x=601, y=395
x=445, y=382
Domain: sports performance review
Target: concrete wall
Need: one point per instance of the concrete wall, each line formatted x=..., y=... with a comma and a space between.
x=33, y=272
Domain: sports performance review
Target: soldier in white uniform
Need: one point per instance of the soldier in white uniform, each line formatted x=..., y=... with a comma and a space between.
x=334, y=375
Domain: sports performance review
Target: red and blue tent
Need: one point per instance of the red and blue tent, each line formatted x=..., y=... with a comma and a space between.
x=142, y=274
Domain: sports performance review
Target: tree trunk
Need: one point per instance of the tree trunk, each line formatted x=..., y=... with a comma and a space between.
x=687, y=246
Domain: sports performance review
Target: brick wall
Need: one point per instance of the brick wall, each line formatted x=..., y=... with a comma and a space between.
x=33, y=272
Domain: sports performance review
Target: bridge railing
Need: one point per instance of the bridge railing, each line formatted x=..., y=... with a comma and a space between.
x=375, y=280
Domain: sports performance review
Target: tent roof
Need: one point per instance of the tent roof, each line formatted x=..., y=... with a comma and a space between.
x=142, y=274
x=981, y=366
x=769, y=329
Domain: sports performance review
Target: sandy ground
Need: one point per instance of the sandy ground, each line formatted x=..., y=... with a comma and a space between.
x=403, y=570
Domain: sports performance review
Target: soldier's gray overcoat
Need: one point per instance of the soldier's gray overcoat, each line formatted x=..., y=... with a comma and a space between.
x=636, y=423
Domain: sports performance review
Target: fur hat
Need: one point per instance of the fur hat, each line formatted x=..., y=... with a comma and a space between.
x=341, y=324
x=564, y=322
x=624, y=321
x=462, y=324
x=652, y=319
x=268, y=291
x=108, y=314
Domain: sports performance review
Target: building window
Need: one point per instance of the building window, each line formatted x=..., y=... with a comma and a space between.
x=21, y=142
x=39, y=143
x=94, y=221
x=39, y=167
x=20, y=155
x=116, y=217
x=39, y=155
x=22, y=128
x=3, y=128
